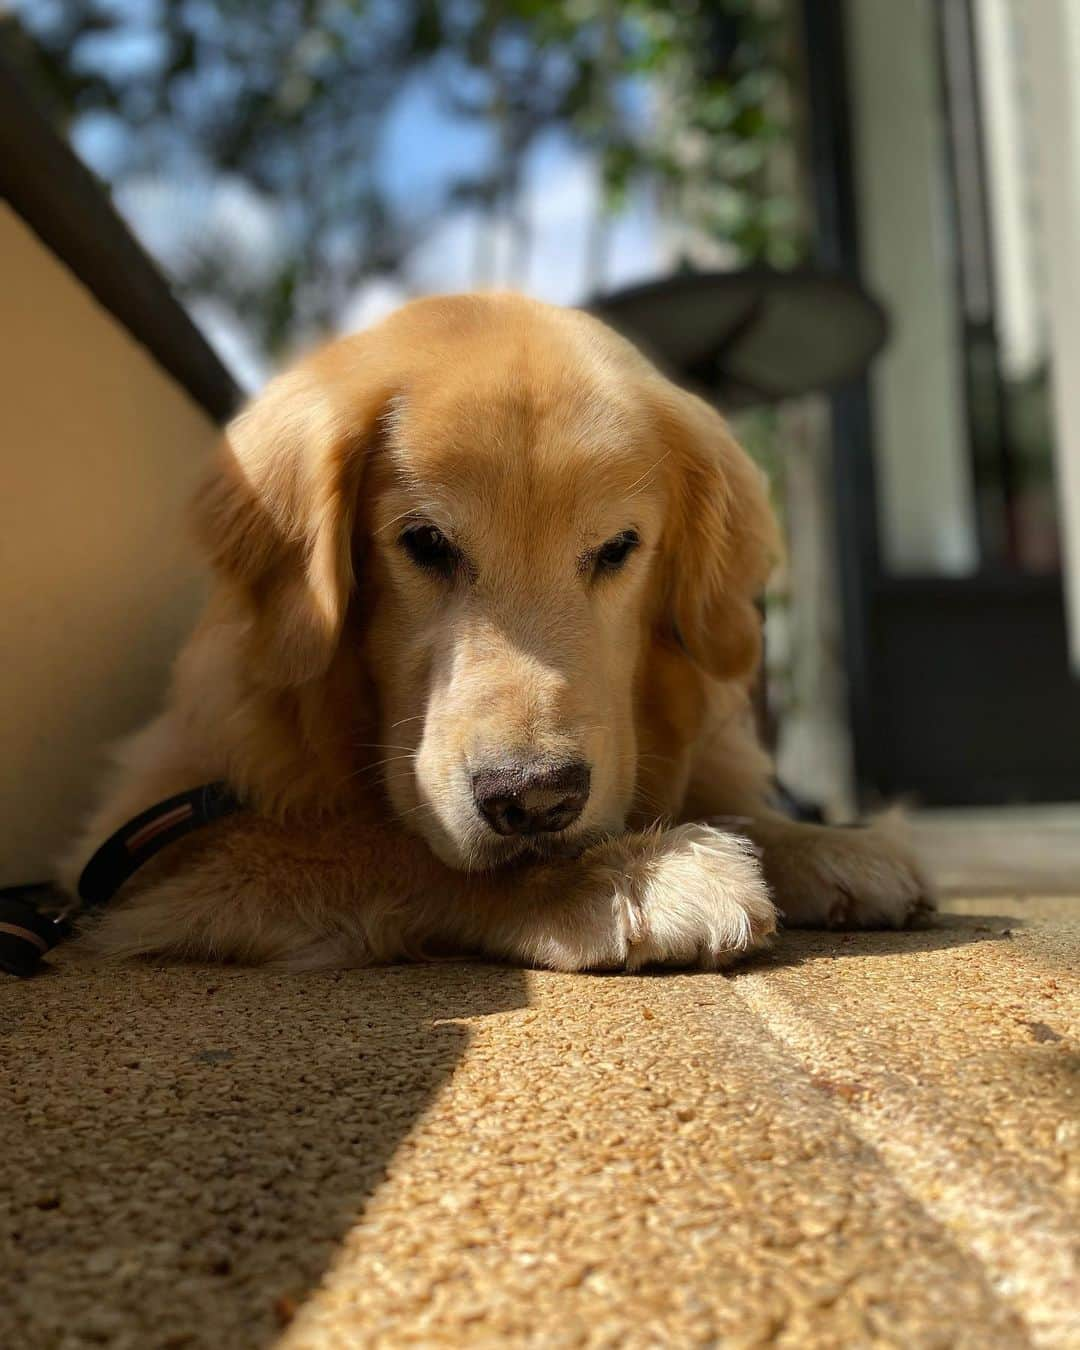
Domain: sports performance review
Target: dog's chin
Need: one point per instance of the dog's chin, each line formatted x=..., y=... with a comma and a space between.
x=552, y=847
x=490, y=853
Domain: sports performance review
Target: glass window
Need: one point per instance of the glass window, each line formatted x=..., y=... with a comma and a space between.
x=952, y=235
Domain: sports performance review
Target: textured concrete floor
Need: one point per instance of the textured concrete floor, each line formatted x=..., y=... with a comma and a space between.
x=858, y=1140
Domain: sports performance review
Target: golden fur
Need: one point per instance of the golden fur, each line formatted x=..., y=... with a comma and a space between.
x=349, y=693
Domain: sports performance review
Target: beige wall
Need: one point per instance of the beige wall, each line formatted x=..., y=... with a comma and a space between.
x=99, y=451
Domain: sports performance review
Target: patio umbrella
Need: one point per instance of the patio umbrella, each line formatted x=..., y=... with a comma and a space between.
x=751, y=337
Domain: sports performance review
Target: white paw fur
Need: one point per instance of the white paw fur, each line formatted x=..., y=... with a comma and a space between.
x=689, y=896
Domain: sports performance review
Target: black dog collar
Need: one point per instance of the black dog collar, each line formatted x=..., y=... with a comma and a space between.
x=33, y=919
x=123, y=853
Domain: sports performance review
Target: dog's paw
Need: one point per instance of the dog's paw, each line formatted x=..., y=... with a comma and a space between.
x=826, y=877
x=688, y=896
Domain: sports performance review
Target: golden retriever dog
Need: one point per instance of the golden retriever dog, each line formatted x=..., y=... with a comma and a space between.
x=478, y=661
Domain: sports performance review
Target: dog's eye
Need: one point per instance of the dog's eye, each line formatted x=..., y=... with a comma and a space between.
x=612, y=555
x=428, y=547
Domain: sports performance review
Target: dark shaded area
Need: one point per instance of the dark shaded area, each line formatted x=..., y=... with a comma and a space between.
x=974, y=701
x=204, y=1154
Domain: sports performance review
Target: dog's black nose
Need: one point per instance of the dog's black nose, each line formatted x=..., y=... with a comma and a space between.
x=531, y=798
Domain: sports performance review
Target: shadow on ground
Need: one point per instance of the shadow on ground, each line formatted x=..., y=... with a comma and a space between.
x=185, y=1149
x=195, y=1143
x=793, y=946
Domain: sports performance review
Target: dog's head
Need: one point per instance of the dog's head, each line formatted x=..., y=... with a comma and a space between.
x=508, y=513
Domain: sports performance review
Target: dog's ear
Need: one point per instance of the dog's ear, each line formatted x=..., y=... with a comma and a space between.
x=276, y=514
x=722, y=542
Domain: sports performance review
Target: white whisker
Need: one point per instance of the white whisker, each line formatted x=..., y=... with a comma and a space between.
x=422, y=806
x=645, y=476
x=410, y=512
x=379, y=764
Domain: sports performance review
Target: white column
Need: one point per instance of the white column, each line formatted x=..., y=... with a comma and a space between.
x=921, y=453
x=1051, y=31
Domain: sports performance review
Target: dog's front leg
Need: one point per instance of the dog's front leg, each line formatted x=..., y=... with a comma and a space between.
x=693, y=895
x=820, y=876
x=355, y=895
x=830, y=877
x=826, y=876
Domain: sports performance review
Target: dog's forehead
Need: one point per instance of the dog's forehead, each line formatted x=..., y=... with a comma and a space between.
x=548, y=431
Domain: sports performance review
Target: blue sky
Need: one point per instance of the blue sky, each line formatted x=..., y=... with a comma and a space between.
x=419, y=151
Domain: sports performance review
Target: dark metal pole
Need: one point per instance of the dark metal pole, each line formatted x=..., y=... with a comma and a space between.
x=854, y=493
